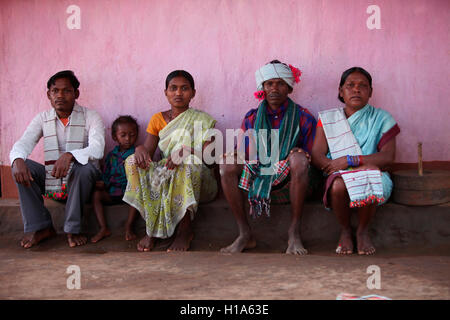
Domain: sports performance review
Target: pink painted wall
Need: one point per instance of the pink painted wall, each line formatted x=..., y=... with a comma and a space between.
x=125, y=49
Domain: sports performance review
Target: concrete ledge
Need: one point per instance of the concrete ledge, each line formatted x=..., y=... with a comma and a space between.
x=393, y=226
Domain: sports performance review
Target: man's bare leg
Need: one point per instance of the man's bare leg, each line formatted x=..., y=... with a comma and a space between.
x=299, y=184
x=184, y=235
x=229, y=174
x=33, y=238
x=364, y=244
x=76, y=240
x=340, y=205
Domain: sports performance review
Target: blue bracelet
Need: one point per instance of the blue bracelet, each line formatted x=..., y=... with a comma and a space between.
x=349, y=161
x=352, y=161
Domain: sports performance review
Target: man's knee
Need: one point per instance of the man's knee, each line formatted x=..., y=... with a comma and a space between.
x=299, y=165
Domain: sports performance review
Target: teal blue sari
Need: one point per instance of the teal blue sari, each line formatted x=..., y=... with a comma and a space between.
x=373, y=128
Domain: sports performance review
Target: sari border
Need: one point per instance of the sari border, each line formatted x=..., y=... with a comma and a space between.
x=173, y=125
x=391, y=133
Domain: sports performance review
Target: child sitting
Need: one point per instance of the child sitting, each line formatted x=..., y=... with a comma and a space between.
x=111, y=188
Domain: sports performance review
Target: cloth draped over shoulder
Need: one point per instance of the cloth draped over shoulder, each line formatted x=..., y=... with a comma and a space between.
x=164, y=196
x=56, y=188
x=258, y=178
x=363, y=133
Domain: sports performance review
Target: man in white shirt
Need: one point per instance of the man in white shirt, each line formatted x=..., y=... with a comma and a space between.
x=74, y=141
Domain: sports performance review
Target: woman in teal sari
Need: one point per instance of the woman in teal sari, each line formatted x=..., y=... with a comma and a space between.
x=167, y=192
x=353, y=146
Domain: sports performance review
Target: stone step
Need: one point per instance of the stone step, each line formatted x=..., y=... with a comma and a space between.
x=394, y=225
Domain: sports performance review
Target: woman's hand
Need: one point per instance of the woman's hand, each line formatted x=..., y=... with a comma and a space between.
x=335, y=165
x=177, y=157
x=142, y=157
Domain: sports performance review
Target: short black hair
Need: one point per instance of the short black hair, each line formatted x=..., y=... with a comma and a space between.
x=123, y=120
x=348, y=72
x=67, y=74
x=180, y=73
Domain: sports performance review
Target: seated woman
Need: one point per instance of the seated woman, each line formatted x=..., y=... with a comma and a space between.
x=352, y=145
x=167, y=193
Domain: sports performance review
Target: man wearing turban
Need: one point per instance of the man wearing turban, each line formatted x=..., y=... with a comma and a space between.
x=283, y=180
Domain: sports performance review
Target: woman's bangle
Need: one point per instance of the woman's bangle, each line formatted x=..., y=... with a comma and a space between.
x=353, y=161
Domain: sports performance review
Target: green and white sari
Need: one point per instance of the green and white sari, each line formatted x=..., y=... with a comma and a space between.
x=164, y=196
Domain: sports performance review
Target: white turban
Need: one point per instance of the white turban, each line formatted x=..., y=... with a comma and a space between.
x=274, y=71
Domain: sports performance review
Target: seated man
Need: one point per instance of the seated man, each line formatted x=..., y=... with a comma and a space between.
x=291, y=175
x=74, y=141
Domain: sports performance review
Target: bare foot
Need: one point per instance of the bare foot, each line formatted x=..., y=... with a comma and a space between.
x=33, y=238
x=295, y=245
x=242, y=242
x=103, y=233
x=345, y=246
x=129, y=234
x=146, y=244
x=182, y=241
x=365, y=246
x=76, y=240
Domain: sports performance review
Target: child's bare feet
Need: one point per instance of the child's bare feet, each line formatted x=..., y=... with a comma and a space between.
x=103, y=233
x=129, y=234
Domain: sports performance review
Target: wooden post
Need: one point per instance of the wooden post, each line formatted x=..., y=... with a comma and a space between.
x=419, y=150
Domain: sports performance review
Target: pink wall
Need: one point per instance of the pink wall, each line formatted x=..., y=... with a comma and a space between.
x=125, y=49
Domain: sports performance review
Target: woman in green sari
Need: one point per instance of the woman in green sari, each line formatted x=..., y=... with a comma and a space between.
x=167, y=192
